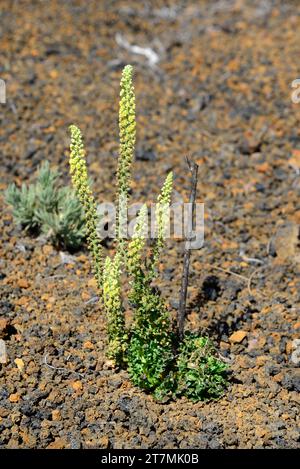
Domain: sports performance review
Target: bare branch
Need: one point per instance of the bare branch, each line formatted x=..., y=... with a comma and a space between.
x=193, y=167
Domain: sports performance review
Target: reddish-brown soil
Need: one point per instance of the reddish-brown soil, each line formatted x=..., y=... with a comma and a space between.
x=221, y=93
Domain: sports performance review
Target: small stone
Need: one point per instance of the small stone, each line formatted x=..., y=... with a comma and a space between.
x=244, y=362
x=82, y=258
x=77, y=385
x=252, y=344
x=23, y=301
x=92, y=283
x=224, y=345
x=28, y=439
x=103, y=442
x=114, y=382
x=260, y=432
x=47, y=249
x=85, y=296
x=263, y=167
x=261, y=360
x=88, y=345
x=22, y=283
x=286, y=241
x=145, y=155
x=3, y=353
x=289, y=347
x=109, y=365
x=15, y=416
x=20, y=364
x=237, y=337
x=3, y=326
x=278, y=377
x=67, y=258
x=58, y=443
x=56, y=415
x=14, y=398
x=294, y=161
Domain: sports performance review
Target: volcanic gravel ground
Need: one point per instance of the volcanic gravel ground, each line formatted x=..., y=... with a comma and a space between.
x=220, y=92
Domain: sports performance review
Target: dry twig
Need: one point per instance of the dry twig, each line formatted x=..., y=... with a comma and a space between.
x=187, y=254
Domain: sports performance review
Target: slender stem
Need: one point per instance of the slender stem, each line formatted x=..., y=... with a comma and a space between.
x=187, y=253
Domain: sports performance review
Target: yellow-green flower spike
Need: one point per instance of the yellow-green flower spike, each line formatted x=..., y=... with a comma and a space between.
x=127, y=131
x=113, y=305
x=161, y=215
x=79, y=176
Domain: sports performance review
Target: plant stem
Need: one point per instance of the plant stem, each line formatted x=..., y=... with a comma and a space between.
x=193, y=167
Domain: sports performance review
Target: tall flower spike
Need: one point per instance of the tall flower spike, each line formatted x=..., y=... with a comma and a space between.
x=113, y=305
x=127, y=130
x=161, y=220
x=79, y=176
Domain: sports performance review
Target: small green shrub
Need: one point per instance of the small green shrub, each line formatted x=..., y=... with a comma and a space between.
x=200, y=373
x=45, y=207
x=149, y=349
x=23, y=202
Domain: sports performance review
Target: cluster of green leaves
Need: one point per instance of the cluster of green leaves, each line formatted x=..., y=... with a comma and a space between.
x=45, y=207
x=197, y=372
x=201, y=374
x=150, y=353
x=149, y=349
